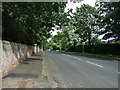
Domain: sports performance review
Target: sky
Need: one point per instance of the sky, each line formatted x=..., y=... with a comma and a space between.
x=73, y=6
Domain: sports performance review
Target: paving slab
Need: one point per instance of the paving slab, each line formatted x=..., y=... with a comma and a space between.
x=27, y=74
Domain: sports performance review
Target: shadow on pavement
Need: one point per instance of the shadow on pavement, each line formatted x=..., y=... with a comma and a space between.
x=29, y=59
x=34, y=57
x=21, y=75
x=24, y=71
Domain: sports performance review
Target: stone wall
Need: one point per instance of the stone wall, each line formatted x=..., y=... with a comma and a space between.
x=0, y=65
x=12, y=54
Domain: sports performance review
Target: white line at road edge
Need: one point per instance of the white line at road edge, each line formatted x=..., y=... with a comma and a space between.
x=72, y=57
x=77, y=58
x=95, y=64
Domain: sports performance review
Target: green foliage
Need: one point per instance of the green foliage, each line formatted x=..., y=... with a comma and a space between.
x=29, y=22
x=66, y=39
x=76, y=48
x=106, y=49
x=83, y=27
x=86, y=18
x=103, y=56
x=77, y=28
x=111, y=19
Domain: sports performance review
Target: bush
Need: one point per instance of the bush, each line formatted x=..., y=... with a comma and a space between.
x=76, y=48
x=106, y=49
x=98, y=49
x=88, y=48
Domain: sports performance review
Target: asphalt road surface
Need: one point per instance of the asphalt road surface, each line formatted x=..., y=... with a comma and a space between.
x=59, y=70
x=74, y=71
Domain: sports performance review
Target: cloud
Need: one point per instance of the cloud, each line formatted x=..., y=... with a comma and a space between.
x=74, y=5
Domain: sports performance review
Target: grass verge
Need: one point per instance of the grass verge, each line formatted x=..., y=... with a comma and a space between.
x=103, y=56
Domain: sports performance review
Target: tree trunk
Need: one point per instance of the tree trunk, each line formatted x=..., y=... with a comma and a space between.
x=89, y=38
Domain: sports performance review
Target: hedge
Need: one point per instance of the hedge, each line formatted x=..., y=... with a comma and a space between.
x=98, y=49
x=76, y=49
x=106, y=49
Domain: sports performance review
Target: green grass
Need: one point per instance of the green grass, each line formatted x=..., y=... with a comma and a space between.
x=104, y=56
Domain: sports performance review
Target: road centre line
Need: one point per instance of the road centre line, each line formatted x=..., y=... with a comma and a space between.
x=95, y=64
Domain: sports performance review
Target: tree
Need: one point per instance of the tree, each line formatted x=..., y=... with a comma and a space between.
x=30, y=22
x=110, y=12
x=79, y=28
x=65, y=39
x=86, y=18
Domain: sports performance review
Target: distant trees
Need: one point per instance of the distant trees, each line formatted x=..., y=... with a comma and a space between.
x=80, y=29
x=29, y=22
x=65, y=40
x=86, y=18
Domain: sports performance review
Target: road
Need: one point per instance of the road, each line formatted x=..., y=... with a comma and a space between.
x=59, y=70
x=74, y=71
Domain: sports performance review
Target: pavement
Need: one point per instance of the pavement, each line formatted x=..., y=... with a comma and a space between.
x=59, y=70
x=27, y=74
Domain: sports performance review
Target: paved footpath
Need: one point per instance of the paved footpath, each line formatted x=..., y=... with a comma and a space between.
x=28, y=74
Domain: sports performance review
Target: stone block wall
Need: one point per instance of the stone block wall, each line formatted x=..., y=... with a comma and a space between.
x=0, y=65
x=12, y=54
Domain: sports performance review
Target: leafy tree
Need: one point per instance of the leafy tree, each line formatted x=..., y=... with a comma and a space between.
x=79, y=27
x=86, y=18
x=30, y=22
x=66, y=39
x=110, y=12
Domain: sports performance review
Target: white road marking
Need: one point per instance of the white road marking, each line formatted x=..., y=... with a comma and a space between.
x=95, y=64
x=118, y=72
x=71, y=84
x=72, y=57
x=77, y=58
